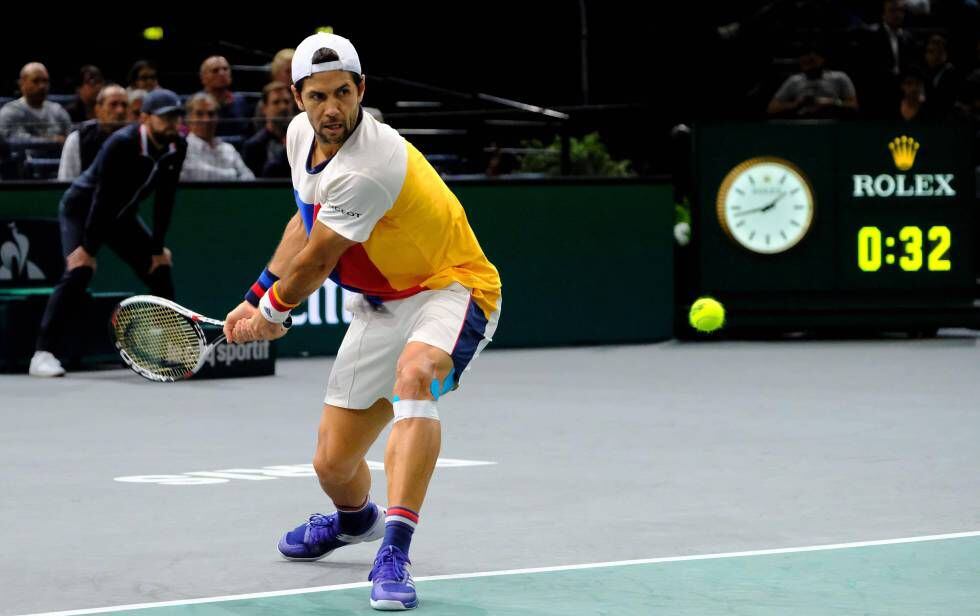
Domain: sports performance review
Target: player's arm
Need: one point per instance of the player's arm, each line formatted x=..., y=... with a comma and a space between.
x=310, y=268
x=307, y=272
x=293, y=240
x=355, y=204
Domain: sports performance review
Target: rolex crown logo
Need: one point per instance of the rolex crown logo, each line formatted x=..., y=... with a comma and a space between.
x=903, y=152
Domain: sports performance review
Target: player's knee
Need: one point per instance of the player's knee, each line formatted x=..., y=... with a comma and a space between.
x=331, y=471
x=412, y=379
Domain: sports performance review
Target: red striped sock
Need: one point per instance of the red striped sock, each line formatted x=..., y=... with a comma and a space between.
x=400, y=523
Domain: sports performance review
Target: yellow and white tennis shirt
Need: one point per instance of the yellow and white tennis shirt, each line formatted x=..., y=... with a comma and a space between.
x=380, y=191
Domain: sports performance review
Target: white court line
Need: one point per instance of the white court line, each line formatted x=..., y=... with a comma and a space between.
x=460, y=576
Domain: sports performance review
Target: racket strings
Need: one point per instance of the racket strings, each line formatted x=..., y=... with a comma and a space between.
x=157, y=338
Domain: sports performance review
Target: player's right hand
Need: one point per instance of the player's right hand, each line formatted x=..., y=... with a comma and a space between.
x=244, y=310
x=79, y=258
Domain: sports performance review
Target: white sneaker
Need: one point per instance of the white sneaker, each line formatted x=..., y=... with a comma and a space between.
x=45, y=364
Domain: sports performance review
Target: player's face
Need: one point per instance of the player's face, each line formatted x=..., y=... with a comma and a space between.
x=331, y=101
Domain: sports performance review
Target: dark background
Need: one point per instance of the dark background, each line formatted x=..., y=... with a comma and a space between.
x=662, y=63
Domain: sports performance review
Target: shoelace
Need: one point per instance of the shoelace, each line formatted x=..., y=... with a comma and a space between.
x=389, y=565
x=321, y=528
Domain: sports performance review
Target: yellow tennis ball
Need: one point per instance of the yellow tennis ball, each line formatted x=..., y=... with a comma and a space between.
x=707, y=314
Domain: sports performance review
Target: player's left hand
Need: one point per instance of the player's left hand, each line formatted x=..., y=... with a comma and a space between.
x=164, y=258
x=258, y=328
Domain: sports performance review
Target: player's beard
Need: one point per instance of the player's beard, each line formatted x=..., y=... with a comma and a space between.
x=347, y=127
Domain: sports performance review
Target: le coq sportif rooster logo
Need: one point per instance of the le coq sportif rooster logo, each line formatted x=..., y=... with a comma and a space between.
x=14, y=264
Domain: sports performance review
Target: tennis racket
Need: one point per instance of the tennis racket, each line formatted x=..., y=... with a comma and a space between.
x=163, y=341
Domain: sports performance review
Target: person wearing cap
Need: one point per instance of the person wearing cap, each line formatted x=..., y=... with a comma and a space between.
x=375, y=217
x=101, y=207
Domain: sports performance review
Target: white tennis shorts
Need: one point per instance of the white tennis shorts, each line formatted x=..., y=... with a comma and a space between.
x=448, y=319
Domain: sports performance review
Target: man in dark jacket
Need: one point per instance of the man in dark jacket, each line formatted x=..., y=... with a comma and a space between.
x=100, y=207
x=265, y=151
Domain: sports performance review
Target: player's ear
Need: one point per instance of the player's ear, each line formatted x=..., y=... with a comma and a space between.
x=360, y=88
x=297, y=96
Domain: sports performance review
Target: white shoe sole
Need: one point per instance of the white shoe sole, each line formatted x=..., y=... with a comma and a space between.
x=47, y=375
x=390, y=606
x=377, y=531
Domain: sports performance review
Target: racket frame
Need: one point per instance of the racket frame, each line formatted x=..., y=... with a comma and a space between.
x=196, y=320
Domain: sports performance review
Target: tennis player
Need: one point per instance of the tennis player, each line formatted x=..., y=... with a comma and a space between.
x=377, y=219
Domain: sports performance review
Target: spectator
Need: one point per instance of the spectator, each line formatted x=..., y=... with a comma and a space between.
x=914, y=106
x=208, y=157
x=233, y=112
x=885, y=52
x=942, y=80
x=101, y=208
x=143, y=76
x=136, y=97
x=90, y=83
x=814, y=92
x=280, y=69
x=32, y=115
x=265, y=152
x=82, y=145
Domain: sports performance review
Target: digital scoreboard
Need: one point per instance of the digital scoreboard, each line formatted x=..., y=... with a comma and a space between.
x=807, y=224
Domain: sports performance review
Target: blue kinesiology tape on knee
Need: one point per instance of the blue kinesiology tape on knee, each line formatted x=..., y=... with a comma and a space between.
x=440, y=389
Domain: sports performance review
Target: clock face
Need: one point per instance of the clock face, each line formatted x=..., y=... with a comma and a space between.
x=765, y=204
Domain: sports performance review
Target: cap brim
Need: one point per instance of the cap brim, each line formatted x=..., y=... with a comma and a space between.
x=169, y=111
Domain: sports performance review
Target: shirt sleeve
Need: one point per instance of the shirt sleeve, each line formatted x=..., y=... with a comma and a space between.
x=70, y=166
x=63, y=120
x=789, y=91
x=107, y=200
x=291, y=143
x=846, y=86
x=11, y=126
x=353, y=204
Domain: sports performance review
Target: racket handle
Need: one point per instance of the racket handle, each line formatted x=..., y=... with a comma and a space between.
x=288, y=322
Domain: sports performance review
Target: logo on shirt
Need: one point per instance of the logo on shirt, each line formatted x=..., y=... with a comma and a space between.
x=341, y=210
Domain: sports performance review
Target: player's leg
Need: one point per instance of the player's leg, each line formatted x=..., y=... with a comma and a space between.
x=410, y=458
x=344, y=437
x=447, y=331
x=413, y=446
x=355, y=412
x=132, y=241
x=64, y=304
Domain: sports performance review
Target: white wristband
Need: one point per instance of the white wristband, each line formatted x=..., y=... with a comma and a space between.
x=269, y=311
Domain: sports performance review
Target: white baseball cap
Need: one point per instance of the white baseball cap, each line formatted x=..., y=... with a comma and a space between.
x=303, y=57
